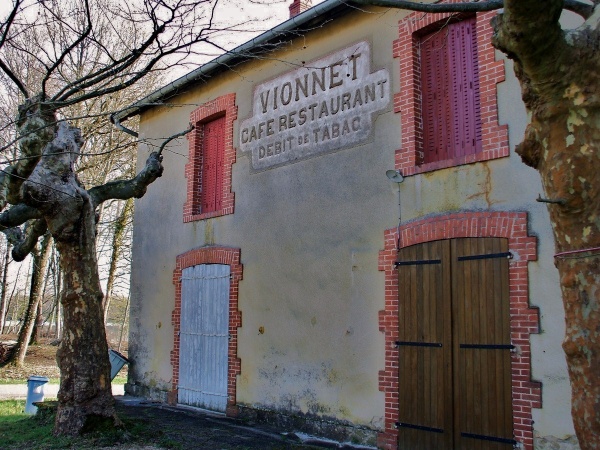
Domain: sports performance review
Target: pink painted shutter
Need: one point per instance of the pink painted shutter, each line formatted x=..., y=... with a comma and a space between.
x=466, y=123
x=212, y=165
x=436, y=97
x=220, y=162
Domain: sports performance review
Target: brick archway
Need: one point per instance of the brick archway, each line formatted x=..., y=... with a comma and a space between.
x=210, y=255
x=524, y=319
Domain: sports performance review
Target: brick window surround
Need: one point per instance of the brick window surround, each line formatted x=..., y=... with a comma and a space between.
x=524, y=319
x=409, y=158
x=210, y=255
x=221, y=106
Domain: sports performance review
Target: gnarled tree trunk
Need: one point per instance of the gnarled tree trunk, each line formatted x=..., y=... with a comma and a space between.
x=560, y=78
x=85, y=387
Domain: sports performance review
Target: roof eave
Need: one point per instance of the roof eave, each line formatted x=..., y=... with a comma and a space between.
x=315, y=16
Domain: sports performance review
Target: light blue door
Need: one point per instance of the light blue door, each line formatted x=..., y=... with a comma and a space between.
x=204, y=336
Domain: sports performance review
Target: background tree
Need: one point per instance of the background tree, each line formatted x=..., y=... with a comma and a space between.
x=40, y=185
x=106, y=155
x=39, y=264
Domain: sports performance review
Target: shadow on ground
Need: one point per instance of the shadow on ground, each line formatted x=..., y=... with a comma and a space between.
x=195, y=429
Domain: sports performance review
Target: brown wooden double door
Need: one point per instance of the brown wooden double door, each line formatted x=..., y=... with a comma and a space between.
x=454, y=346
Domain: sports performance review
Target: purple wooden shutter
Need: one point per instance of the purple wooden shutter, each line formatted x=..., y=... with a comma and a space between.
x=212, y=165
x=436, y=100
x=450, y=92
x=465, y=88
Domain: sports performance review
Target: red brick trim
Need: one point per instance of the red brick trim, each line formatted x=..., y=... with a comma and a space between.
x=210, y=255
x=407, y=101
x=221, y=106
x=524, y=319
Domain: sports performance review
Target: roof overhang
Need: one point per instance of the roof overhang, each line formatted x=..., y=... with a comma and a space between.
x=274, y=38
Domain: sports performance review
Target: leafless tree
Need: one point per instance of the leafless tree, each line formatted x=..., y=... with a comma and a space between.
x=39, y=263
x=39, y=184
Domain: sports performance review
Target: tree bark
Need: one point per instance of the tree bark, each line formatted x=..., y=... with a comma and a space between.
x=53, y=192
x=40, y=259
x=85, y=388
x=117, y=244
x=560, y=80
x=3, y=306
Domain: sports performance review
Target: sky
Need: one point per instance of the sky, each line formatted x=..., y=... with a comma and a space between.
x=261, y=15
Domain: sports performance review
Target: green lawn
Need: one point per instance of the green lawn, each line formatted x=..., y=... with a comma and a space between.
x=20, y=431
x=117, y=380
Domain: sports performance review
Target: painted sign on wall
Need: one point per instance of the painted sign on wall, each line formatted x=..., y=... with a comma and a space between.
x=323, y=106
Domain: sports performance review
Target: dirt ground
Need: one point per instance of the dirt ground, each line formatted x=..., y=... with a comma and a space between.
x=179, y=428
x=195, y=429
x=40, y=360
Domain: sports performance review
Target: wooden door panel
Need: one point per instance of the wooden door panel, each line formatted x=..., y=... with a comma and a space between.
x=454, y=346
x=425, y=394
x=482, y=392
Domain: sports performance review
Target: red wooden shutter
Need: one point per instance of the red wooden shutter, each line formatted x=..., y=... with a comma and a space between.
x=465, y=88
x=436, y=97
x=212, y=165
x=450, y=92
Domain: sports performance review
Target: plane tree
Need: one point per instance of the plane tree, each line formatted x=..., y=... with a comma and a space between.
x=40, y=190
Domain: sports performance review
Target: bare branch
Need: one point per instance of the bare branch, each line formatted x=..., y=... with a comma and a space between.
x=135, y=187
x=175, y=136
x=27, y=244
x=68, y=50
x=489, y=5
x=3, y=66
x=18, y=215
x=575, y=6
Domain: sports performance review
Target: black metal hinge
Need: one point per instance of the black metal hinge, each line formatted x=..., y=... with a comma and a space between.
x=489, y=438
x=489, y=346
x=418, y=263
x=508, y=255
x=417, y=344
x=418, y=427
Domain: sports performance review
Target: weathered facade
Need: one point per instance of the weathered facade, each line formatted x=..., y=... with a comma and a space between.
x=279, y=274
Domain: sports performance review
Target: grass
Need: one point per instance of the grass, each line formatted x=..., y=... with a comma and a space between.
x=19, y=431
x=117, y=380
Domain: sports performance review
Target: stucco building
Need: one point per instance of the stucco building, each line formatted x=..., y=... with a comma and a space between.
x=279, y=274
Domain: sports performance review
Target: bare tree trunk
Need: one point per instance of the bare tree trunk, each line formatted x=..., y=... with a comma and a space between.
x=57, y=274
x=85, y=386
x=124, y=321
x=117, y=244
x=36, y=333
x=559, y=77
x=40, y=259
x=39, y=326
x=3, y=305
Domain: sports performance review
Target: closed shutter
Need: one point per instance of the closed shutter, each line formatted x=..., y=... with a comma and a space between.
x=454, y=365
x=465, y=88
x=213, y=151
x=450, y=92
x=436, y=97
